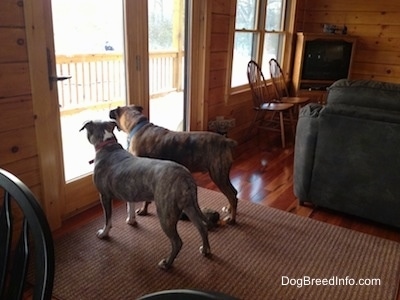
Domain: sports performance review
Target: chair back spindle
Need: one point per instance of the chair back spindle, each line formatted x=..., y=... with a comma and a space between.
x=278, y=79
x=257, y=85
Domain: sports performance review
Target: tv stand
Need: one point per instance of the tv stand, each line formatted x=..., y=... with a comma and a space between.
x=311, y=80
x=314, y=86
x=318, y=88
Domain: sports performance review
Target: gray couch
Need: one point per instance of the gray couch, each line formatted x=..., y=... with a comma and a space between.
x=347, y=153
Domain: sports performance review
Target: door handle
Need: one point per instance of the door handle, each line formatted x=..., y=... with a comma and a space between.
x=60, y=78
x=57, y=78
x=50, y=70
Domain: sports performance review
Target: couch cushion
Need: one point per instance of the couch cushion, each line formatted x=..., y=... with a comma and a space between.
x=366, y=93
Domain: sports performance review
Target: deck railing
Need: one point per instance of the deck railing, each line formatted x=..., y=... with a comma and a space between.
x=97, y=79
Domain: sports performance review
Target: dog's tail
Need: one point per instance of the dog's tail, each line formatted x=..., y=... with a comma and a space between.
x=194, y=214
x=231, y=143
x=193, y=210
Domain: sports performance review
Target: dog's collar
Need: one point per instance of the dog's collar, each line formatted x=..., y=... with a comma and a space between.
x=105, y=143
x=99, y=146
x=136, y=129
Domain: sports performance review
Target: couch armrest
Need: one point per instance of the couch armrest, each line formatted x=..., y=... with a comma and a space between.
x=304, y=151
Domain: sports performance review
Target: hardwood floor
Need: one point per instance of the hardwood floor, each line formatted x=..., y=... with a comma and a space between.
x=264, y=174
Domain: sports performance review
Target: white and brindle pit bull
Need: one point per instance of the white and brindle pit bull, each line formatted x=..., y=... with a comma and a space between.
x=199, y=151
x=120, y=175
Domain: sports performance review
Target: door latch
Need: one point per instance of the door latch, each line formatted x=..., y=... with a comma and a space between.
x=53, y=78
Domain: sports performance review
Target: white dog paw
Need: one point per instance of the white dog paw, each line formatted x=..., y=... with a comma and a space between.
x=101, y=233
x=205, y=251
x=226, y=209
x=163, y=265
x=131, y=221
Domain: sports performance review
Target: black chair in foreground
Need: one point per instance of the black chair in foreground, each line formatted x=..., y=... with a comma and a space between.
x=24, y=234
x=186, y=294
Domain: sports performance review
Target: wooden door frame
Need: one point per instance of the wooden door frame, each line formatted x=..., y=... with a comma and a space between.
x=137, y=53
x=197, y=110
x=46, y=112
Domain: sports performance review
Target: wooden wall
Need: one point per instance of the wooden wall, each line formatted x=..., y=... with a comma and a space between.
x=218, y=102
x=18, y=151
x=376, y=24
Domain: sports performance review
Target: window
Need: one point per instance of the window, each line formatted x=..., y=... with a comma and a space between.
x=259, y=35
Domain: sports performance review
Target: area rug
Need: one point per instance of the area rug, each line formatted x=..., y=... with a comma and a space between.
x=269, y=254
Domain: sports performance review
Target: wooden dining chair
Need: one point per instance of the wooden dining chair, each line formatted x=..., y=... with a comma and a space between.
x=264, y=103
x=281, y=90
x=25, y=242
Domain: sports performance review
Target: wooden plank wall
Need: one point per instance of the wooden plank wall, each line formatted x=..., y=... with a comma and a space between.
x=218, y=102
x=376, y=24
x=18, y=151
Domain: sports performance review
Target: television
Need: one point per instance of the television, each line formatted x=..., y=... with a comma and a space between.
x=326, y=60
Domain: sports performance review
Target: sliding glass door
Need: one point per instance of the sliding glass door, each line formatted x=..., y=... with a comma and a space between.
x=105, y=53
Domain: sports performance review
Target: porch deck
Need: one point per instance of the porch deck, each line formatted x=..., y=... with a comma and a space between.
x=97, y=85
x=166, y=111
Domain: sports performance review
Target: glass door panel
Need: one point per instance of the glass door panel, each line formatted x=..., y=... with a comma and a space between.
x=89, y=55
x=166, y=28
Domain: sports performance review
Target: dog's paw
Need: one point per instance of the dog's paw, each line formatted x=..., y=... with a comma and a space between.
x=226, y=209
x=228, y=220
x=205, y=251
x=164, y=265
x=142, y=212
x=131, y=221
x=102, y=233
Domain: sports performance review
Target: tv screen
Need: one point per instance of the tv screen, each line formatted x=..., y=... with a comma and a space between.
x=326, y=60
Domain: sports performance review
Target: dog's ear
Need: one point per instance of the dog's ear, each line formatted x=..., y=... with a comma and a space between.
x=86, y=125
x=110, y=125
x=138, y=108
x=116, y=125
x=114, y=113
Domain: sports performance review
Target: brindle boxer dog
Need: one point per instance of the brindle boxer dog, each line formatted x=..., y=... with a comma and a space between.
x=120, y=175
x=199, y=151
